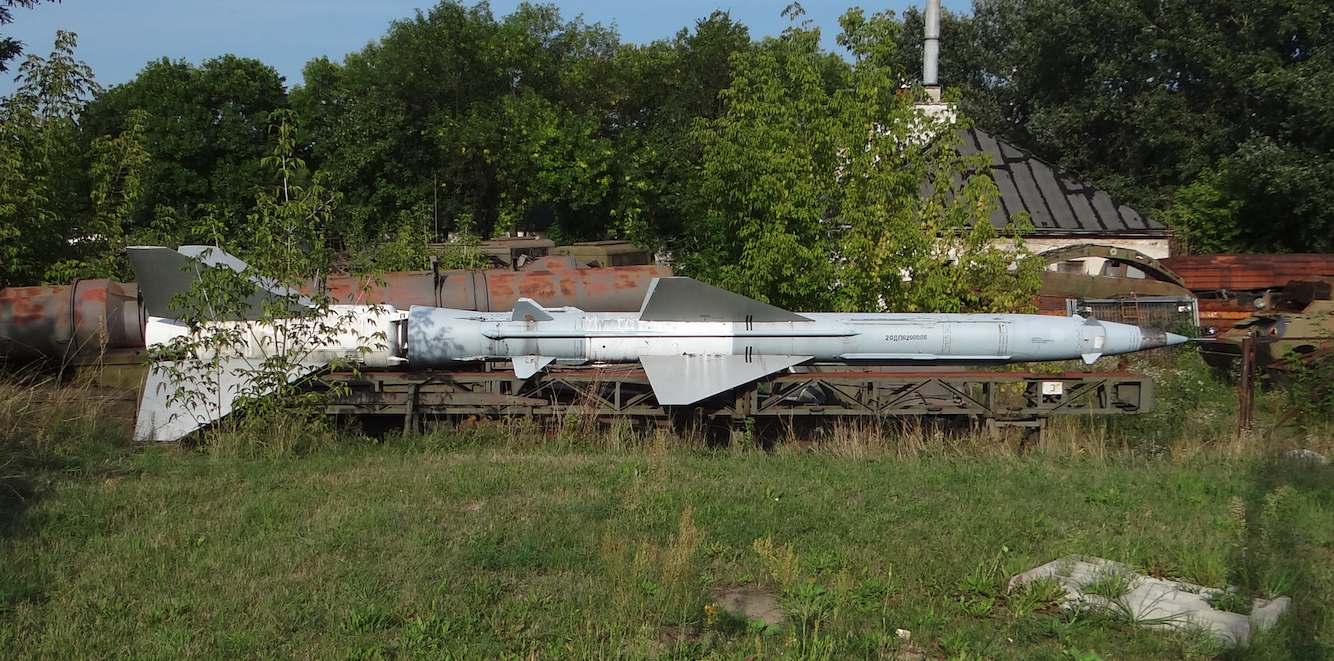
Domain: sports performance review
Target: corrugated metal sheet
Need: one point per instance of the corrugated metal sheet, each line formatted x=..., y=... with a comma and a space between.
x=1056, y=200
x=1249, y=272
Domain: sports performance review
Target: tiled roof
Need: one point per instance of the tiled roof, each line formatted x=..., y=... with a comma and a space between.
x=1056, y=200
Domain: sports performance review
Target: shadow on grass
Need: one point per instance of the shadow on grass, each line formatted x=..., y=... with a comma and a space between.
x=27, y=471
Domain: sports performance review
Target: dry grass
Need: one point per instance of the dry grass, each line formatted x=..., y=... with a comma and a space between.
x=651, y=582
x=43, y=421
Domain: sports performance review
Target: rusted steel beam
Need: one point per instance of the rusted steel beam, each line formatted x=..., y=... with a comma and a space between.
x=1249, y=272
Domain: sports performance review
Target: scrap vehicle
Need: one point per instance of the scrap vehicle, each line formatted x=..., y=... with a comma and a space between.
x=1117, y=284
x=1233, y=288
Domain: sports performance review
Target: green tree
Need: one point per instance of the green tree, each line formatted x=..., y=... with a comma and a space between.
x=117, y=170
x=260, y=363
x=10, y=47
x=40, y=164
x=498, y=121
x=812, y=188
x=663, y=88
x=206, y=132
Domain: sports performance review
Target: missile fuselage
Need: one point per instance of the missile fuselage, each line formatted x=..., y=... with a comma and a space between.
x=695, y=340
x=438, y=336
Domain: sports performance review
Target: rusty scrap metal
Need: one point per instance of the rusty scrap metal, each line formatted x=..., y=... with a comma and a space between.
x=609, y=289
x=88, y=317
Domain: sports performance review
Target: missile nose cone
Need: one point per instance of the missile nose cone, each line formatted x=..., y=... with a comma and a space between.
x=1124, y=338
x=1153, y=339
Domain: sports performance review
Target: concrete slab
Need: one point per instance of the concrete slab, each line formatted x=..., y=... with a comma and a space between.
x=1152, y=602
x=750, y=601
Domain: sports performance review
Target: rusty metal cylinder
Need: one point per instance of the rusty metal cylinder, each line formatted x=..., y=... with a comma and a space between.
x=86, y=318
x=608, y=289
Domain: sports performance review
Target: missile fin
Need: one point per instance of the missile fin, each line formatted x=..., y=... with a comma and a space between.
x=163, y=418
x=162, y=273
x=686, y=379
x=526, y=366
x=687, y=299
x=526, y=309
x=1090, y=358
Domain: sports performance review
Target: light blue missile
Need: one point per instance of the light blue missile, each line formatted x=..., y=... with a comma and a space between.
x=695, y=340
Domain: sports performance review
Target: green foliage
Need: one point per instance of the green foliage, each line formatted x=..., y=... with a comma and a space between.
x=118, y=169
x=809, y=194
x=1213, y=114
x=505, y=127
x=206, y=133
x=1231, y=601
x=40, y=163
x=260, y=357
x=1191, y=400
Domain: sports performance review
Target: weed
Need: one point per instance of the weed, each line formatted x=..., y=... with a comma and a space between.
x=807, y=605
x=979, y=583
x=1034, y=596
x=1075, y=655
x=872, y=592
x=1159, y=566
x=657, y=582
x=1230, y=601
x=1278, y=582
x=979, y=606
x=781, y=561
x=1205, y=565
x=1112, y=584
x=368, y=619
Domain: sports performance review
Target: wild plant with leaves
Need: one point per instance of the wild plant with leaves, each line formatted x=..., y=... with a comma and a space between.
x=62, y=208
x=253, y=335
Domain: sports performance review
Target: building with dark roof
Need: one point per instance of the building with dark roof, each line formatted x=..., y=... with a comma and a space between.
x=1063, y=209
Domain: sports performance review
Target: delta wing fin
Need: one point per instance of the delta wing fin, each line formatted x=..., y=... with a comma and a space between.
x=1094, y=337
x=526, y=366
x=162, y=273
x=680, y=380
x=163, y=416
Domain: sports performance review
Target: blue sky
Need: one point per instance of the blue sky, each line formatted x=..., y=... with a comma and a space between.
x=117, y=38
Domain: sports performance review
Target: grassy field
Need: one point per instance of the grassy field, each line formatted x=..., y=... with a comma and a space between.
x=498, y=542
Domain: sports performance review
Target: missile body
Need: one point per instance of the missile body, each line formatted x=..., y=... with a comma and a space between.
x=695, y=340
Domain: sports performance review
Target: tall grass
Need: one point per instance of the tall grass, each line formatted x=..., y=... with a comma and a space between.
x=45, y=424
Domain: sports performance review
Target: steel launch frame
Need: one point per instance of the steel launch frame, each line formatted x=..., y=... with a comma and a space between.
x=421, y=399
x=1021, y=399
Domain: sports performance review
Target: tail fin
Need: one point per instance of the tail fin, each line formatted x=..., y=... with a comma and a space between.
x=687, y=299
x=166, y=415
x=163, y=273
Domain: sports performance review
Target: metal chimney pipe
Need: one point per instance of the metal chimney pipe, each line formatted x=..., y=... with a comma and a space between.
x=931, y=48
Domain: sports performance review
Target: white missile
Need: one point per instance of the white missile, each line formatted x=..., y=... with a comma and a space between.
x=693, y=339
x=696, y=340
